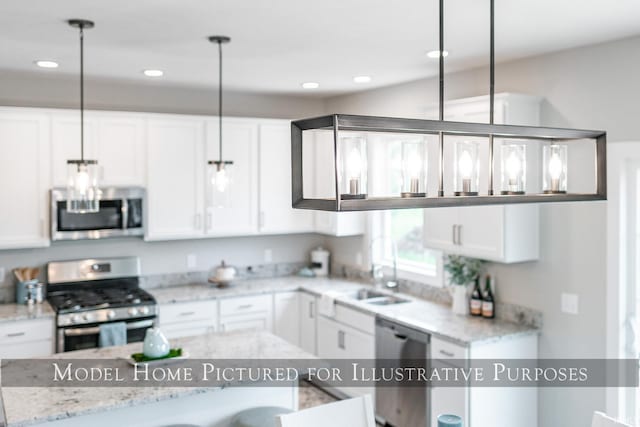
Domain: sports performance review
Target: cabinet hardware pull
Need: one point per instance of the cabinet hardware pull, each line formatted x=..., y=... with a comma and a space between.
x=15, y=334
x=311, y=310
x=446, y=353
x=453, y=234
x=188, y=313
x=341, y=339
x=244, y=307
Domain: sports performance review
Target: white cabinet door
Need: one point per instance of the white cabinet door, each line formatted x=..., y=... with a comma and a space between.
x=24, y=174
x=308, y=326
x=481, y=231
x=175, y=177
x=276, y=213
x=29, y=338
x=239, y=215
x=248, y=312
x=286, y=313
x=120, y=149
x=439, y=229
x=65, y=142
x=449, y=400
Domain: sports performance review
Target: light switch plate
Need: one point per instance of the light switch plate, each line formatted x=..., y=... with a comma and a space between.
x=268, y=256
x=192, y=261
x=569, y=303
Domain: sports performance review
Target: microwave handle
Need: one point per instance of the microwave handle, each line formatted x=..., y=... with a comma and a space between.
x=125, y=214
x=77, y=332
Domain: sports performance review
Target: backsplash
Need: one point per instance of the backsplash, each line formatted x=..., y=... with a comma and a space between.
x=504, y=311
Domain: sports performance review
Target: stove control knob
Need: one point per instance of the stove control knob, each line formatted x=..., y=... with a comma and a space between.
x=88, y=317
x=144, y=310
x=75, y=318
x=133, y=311
x=111, y=314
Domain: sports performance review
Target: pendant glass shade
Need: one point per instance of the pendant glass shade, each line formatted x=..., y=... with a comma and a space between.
x=514, y=169
x=554, y=168
x=466, y=168
x=83, y=193
x=220, y=179
x=353, y=168
x=414, y=168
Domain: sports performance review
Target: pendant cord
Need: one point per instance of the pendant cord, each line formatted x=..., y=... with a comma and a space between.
x=492, y=60
x=220, y=99
x=441, y=101
x=81, y=93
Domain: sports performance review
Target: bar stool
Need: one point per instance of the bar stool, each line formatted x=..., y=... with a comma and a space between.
x=264, y=416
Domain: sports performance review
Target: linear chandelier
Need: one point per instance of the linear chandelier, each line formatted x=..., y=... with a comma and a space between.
x=351, y=136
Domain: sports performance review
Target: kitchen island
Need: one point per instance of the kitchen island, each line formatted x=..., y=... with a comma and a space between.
x=156, y=406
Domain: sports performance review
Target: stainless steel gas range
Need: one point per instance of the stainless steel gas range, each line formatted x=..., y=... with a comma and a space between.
x=88, y=293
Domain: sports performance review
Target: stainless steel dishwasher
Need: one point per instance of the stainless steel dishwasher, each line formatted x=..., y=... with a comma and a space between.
x=401, y=406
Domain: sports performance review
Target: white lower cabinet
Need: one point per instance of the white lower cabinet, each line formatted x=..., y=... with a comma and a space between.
x=286, y=309
x=28, y=338
x=308, y=322
x=477, y=405
x=250, y=312
x=340, y=341
x=188, y=318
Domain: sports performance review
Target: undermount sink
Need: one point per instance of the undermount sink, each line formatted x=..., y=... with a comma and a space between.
x=373, y=297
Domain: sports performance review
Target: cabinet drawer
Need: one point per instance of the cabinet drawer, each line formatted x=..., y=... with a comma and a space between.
x=188, y=312
x=235, y=323
x=249, y=304
x=448, y=352
x=29, y=330
x=187, y=329
x=355, y=319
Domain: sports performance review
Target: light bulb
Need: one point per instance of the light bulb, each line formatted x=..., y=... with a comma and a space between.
x=82, y=180
x=555, y=166
x=354, y=164
x=513, y=166
x=465, y=165
x=220, y=179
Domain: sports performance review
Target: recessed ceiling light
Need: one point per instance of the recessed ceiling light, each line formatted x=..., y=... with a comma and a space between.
x=361, y=79
x=310, y=85
x=435, y=54
x=153, y=73
x=46, y=64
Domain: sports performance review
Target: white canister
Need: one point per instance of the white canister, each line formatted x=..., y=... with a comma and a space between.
x=320, y=261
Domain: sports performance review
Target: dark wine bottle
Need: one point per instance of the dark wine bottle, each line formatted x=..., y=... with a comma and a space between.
x=475, y=302
x=488, y=303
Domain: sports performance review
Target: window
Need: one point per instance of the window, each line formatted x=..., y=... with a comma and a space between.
x=402, y=232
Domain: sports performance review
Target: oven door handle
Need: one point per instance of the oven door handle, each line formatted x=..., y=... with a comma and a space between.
x=77, y=332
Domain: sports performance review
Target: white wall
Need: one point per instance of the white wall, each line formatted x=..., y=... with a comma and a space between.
x=593, y=87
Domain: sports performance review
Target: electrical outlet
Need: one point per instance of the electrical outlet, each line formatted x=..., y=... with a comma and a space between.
x=192, y=261
x=569, y=303
x=268, y=256
x=2, y=273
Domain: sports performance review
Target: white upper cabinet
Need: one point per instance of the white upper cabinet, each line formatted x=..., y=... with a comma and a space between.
x=120, y=149
x=501, y=233
x=65, y=141
x=25, y=178
x=175, y=178
x=276, y=214
x=239, y=215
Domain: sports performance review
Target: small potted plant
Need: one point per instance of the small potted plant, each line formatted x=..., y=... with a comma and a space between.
x=462, y=272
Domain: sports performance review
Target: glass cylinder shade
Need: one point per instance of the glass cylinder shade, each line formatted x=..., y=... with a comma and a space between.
x=466, y=168
x=554, y=168
x=514, y=168
x=220, y=180
x=414, y=168
x=353, y=168
x=83, y=193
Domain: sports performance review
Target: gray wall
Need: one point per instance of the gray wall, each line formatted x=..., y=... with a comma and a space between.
x=591, y=87
x=45, y=89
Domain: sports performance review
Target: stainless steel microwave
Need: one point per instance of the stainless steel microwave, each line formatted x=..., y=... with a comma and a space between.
x=121, y=214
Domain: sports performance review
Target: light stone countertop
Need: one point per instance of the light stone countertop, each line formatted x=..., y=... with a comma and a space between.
x=14, y=312
x=430, y=317
x=25, y=406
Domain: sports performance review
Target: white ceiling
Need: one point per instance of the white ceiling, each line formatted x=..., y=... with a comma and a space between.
x=278, y=44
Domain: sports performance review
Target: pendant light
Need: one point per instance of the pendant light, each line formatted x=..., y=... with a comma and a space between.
x=83, y=193
x=351, y=193
x=220, y=178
